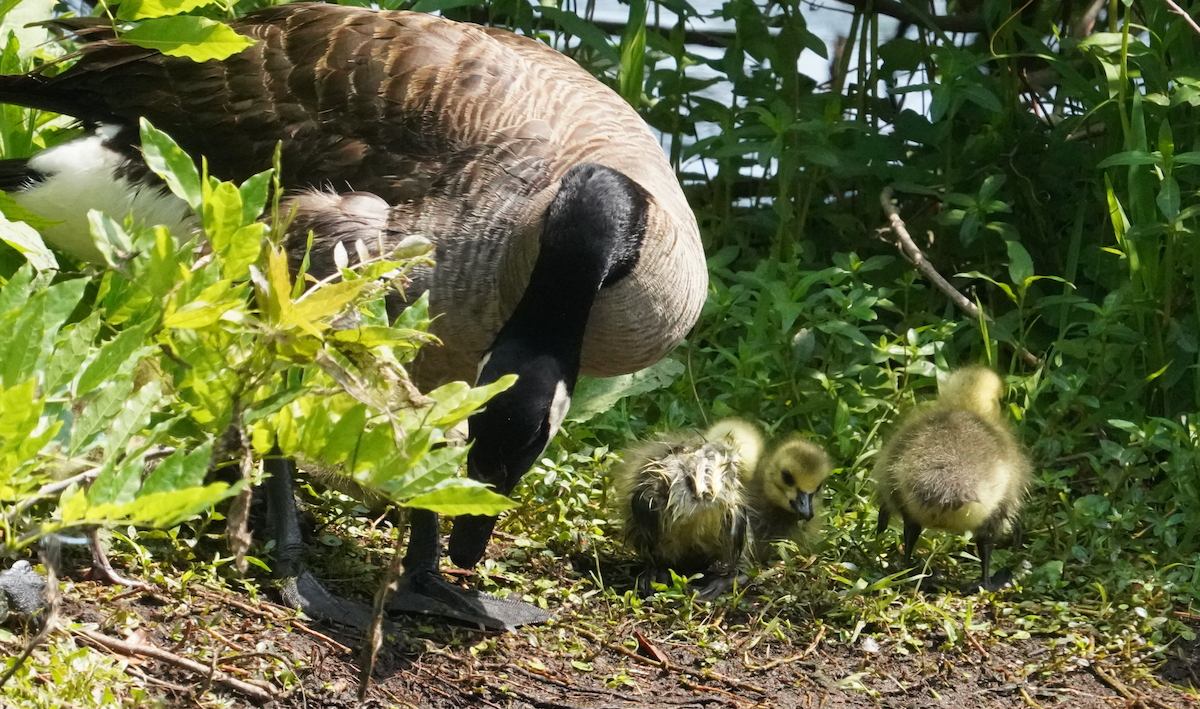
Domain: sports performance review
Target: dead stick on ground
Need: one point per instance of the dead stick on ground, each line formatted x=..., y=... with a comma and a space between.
x=913, y=253
x=1028, y=699
x=793, y=658
x=975, y=643
x=669, y=666
x=257, y=694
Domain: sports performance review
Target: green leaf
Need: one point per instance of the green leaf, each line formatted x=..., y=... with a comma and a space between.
x=169, y=162
x=439, y=5
x=22, y=343
x=1131, y=157
x=134, y=417
x=198, y=38
x=345, y=436
x=99, y=413
x=420, y=477
x=1020, y=264
x=143, y=9
x=595, y=396
x=72, y=350
x=254, y=192
x=587, y=32
x=244, y=247
x=28, y=242
x=633, y=54
x=117, y=484
x=112, y=355
x=222, y=214
x=326, y=300
x=179, y=470
x=458, y=400
x=462, y=499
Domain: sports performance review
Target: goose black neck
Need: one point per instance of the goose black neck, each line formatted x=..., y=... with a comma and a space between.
x=591, y=237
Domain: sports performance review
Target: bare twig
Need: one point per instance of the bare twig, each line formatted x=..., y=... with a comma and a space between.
x=255, y=693
x=790, y=659
x=913, y=253
x=975, y=643
x=669, y=666
x=373, y=638
x=104, y=568
x=1183, y=13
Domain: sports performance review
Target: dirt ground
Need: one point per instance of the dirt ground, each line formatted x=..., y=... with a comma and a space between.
x=566, y=664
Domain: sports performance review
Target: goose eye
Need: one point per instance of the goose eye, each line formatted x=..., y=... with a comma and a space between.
x=788, y=480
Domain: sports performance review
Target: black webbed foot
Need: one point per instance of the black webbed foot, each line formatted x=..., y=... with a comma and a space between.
x=306, y=593
x=425, y=590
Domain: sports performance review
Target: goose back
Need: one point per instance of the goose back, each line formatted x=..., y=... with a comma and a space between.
x=462, y=132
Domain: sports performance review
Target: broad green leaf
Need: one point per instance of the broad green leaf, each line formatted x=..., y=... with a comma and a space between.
x=198, y=38
x=19, y=412
x=454, y=500
x=633, y=54
x=22, y=342
x=345, y=436
x=595, y=396
x=458, y=400
x=97, y=415
x=118, y=482
x=590, y=34
x=15, y=293
x=244, y=247
x=254, y=193
x=28, y=241
x=430, y=470
x=180, y=470
x=195, y=315
x=143, y=9
x=1020, y=264
x=109, y=237
x=326, y=300
x=134, y=417
x=169, y=162
x=71, y=352
x=222, y=215
x=112, y=355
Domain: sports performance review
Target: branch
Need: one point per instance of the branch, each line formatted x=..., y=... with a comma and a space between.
x=964, y=23
x=909, y=248
x=257, y=694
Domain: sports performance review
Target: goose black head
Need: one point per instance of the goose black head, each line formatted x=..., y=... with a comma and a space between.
x=591, y=237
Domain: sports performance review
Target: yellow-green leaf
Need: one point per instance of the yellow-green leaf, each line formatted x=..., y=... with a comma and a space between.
x=143, y=9
x=197, y=38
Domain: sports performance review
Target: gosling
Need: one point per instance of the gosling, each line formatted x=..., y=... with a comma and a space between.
x=955, y=465
x=681, y=501
x=783, y=493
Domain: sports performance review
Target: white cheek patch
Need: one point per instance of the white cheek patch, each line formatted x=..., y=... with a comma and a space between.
x=558, y=409
x=81, y=174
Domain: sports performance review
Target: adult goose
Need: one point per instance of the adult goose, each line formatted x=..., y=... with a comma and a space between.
x=563, y=242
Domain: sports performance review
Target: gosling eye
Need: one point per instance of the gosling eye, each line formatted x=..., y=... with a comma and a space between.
x=788, y=480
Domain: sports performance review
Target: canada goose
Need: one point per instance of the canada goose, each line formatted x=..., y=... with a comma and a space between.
x=953, y=464
x=680, y=500
x=782, y=493
x=563, y=241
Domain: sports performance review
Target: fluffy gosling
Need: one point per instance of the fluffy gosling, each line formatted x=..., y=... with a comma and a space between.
x=680, y=499
x=954, y=464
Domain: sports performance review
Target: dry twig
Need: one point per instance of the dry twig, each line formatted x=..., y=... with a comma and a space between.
x=255, y=693
x=913, y=253
x=669, y=666
x=790, y=659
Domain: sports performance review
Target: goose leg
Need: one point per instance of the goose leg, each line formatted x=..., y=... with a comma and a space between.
x=912, y=532
x=423, y=589
x=298, y=587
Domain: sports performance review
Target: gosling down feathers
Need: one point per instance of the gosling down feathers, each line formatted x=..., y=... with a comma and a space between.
x=782, y=494
x=563, y=242
x=680, y=498
x=954, y=464
x=698, y=504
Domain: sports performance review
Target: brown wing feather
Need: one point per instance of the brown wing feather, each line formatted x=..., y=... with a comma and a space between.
x=465, y=131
